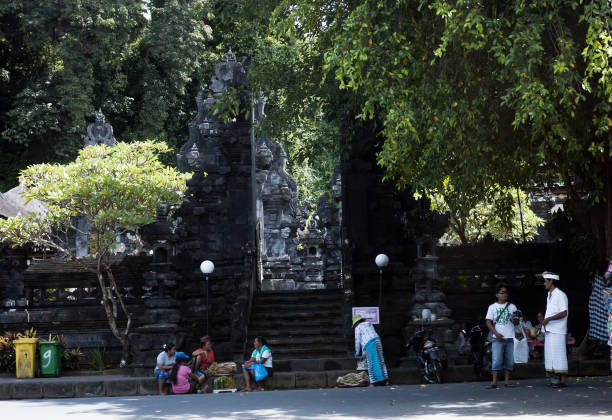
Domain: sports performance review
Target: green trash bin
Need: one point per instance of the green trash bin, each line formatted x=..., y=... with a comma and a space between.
x=51, y=358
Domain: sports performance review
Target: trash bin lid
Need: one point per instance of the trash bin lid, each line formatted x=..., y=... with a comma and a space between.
x=26, y=341
x=51, y=343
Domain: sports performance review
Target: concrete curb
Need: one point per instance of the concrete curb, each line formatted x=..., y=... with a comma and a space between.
x=115, y=385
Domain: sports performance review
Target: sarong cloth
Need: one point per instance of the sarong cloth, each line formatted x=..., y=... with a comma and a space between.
x=377, y=370
x=598, y=314
x=555, y=354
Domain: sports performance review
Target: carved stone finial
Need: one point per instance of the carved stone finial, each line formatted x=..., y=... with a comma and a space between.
x=230, y=56
x=100, y=132
x=193, y=157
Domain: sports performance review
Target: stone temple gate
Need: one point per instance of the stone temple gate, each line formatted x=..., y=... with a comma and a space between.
x=244, y=215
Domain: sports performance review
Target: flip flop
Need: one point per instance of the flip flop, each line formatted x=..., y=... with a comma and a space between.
x=508, y=385
x=245, y=390
x=560, y=385
x=491, y=386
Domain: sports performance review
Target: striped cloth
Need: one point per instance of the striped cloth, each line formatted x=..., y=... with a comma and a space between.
x=377, y=370
x=598, y=316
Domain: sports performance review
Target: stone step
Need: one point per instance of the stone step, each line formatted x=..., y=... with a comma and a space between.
x=314, y=365
x=298, y=314
x=259, y=307
x=282, y=324
x=308, y=351
x=307, y=374
x=301, y=331
x=289, y=341
x=297, y=297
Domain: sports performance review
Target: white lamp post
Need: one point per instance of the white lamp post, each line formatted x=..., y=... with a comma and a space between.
x=381, y=261
x=207, y=267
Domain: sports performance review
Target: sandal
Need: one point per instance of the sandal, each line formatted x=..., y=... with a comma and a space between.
x=245, y=390
x=560, y=385
x=491, y=386
x=508, y=385
x=259, y=389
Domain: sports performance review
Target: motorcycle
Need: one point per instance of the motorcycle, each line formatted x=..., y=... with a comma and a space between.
x=429, y=355
x=480, y=347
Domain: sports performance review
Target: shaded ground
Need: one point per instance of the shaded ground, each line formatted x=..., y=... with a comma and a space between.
x=585, y=398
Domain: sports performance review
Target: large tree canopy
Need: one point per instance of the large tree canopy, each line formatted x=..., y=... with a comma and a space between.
x=488, y=94
x=491, y=95
x=139, y=61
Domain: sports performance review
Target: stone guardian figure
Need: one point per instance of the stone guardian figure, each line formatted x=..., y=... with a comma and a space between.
x=100, y=132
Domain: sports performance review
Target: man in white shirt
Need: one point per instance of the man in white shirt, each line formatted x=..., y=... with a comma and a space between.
x=555, y=327
x=500, y=323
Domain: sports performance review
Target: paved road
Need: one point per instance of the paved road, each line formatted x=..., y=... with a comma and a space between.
x=585, y=398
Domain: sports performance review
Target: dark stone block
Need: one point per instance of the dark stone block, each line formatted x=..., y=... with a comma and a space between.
x=58, y=390
x=5, y=391
x=528, y=370
x=405, y=376
x=593, y=367
x=148, y=387
x=122, y=387
x=89, y=389
x=310, y=380
x=142, y=371
x=281, y=381
x=27, y=389
x=334, y=375
x=572, y=367
x=459, y=374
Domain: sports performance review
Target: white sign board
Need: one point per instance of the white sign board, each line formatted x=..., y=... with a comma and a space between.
x=370, y=313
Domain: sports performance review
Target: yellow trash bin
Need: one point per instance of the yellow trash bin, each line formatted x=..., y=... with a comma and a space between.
x=25, y=357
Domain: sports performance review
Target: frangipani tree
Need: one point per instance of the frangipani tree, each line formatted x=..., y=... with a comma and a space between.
x=116, y=190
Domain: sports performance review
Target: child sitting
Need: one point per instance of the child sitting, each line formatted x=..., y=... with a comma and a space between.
x=179, y=377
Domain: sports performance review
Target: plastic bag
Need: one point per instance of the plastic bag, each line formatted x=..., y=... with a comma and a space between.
x=260, y=372
x=521, y=349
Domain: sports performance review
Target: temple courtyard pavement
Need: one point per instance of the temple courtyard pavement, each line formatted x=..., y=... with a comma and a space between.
x=586, y=397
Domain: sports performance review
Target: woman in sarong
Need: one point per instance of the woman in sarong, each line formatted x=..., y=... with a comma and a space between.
x=367, y=341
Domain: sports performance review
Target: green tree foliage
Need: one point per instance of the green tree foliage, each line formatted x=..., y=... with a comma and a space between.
x=62, y=60
x=486, y=93
x=116, y=190
x=285, y=66
x=505, y=215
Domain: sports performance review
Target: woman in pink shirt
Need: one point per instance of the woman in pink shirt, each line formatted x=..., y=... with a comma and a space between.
x=180, y=375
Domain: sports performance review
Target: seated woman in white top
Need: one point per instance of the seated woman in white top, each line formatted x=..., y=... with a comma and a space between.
x=261, y=355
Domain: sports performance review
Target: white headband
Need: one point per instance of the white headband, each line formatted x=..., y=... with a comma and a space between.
x=550, y=276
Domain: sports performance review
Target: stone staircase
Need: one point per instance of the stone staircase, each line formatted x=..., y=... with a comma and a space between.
x=303, y=328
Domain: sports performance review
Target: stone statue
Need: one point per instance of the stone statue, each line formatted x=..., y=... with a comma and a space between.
x=100, y=132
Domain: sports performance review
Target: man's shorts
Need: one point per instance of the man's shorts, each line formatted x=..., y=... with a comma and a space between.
x=502, y=354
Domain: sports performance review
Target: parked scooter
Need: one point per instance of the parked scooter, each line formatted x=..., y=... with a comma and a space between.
x=429, y=355
x=481, y=350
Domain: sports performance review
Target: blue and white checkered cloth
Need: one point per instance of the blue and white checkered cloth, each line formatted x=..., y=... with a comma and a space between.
x=598, y=316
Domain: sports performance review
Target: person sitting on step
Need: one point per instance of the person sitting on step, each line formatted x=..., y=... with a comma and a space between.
x=261, y=355
x=204, y=357
x=165, y=362
x=180, y=375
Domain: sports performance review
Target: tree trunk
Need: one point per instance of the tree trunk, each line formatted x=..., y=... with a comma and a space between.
x=125, y=340
x=109, y=302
